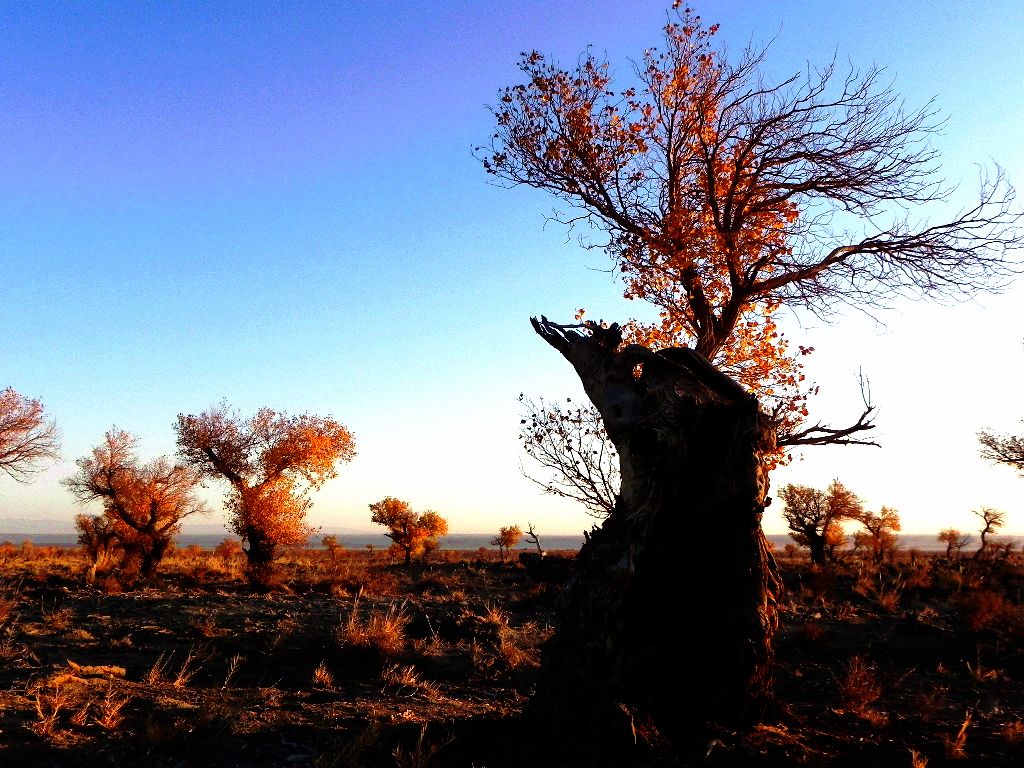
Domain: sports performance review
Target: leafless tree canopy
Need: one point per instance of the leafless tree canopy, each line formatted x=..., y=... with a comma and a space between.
x=991, y=521
x=27, y=439
x=572, y=446
x=1007, y=450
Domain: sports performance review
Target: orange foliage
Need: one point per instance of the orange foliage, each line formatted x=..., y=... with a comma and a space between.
x=144, y=503
x=508, y=536
x=879, y=534
x=411, y=532
x=815, y=517
x=642, y=163
x=271, y=460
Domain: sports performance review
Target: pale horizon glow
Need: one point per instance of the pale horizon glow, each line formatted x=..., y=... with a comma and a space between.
x=279, y=207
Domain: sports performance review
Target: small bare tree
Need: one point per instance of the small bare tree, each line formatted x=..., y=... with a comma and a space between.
x=571, y=444
x=27, y=438
x=533, y=538
x=992, y=520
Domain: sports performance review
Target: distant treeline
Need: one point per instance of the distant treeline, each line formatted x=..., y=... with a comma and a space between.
x=454, y=541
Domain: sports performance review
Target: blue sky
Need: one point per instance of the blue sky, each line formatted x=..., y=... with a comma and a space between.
x=279, y=206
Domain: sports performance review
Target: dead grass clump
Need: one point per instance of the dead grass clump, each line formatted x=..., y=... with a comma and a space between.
x=380, y=631
x=420, y=755
x=60, y=702
x=10, y=597
x=109, y=711
x=322, y=677
x=498, y=646
x=983, y=609
x=190, y=667
x=920, y=575
x=159, y=672
x=156, y=673
x=285, y=627
x=205, y=625
x=406, y=681
x=60, y=619
x=49, y=700
x=13, y=653
x=884, y=592
x=1013, y=733
x=233, y=665
x=859, y=687
x=955, y=744
x=352, y=577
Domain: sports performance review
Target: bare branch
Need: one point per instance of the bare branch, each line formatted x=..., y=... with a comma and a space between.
x=1007, y=450
x=572, y=445
x=27, y=439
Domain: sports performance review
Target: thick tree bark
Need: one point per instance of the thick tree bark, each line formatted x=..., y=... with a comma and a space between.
x=666, y=625
x=816, y=543
x=152, y=556
x=260, y=559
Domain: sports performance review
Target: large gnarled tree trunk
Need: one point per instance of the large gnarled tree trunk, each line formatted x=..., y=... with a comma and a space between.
x=666, y=625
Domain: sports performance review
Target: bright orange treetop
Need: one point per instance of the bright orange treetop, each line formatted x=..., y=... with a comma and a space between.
x=271, y=461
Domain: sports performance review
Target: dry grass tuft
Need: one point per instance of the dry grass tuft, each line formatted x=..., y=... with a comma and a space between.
x=1013, y=733
x=381, y=631
x=60, y=619
x=49, y=700
x=422, y=754
x=192, y=664
x=109, y=712
x=322, y=677
x=982, y=609
x=955, y=744
x=405, y=680
x=156, y=673
x=10, y=597
x=858, y=684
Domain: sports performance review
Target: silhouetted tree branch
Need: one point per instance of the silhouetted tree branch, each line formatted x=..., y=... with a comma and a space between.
x=1007, y=450
x=572, y=445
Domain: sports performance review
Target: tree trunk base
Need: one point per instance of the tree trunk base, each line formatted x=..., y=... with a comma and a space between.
x=664, y=631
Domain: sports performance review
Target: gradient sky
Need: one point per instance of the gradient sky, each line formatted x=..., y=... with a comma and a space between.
x=277, y=204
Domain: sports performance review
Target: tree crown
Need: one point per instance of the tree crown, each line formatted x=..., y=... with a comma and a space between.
x=27, y=438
